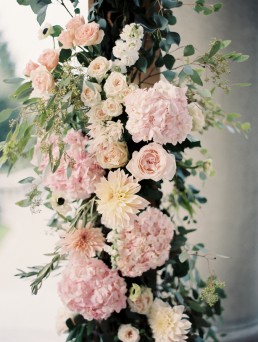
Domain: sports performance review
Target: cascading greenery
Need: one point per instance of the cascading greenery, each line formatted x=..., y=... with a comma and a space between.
x=160, y=55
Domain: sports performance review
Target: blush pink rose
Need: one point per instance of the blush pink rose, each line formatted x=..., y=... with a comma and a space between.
x=49, y=58
x=30, y=66
x=66, y=39
x=75, y=22
x=88, y=34
x=152, y=162
x=42, y=80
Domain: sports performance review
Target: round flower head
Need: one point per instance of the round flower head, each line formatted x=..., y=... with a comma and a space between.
x=143, y=302
x=45, y=31
x=118, y=202
x=91, y=289
x=128, y=333
x=60, y=204
x=168, y=323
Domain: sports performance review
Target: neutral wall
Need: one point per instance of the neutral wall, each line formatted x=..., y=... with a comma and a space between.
x=229, y=222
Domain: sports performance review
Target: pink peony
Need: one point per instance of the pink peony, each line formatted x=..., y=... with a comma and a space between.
x=159, y=114
x=144, y=245
x=42, y=80
x=91, y=289
x=152, y=162
x=88, y=34
x=30, y=66
x=49, y=58
x=85, y=172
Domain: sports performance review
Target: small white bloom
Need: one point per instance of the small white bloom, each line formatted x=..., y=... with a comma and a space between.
x=60, y=204
x=127, y=333
x=45, y=31
x=132, y=32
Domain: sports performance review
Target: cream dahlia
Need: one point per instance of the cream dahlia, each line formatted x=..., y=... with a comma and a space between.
x=168, y=324
x=118, y=202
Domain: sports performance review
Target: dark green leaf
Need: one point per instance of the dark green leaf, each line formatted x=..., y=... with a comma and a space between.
x=160, y=21
x=57, y=29
x=142, y=64
x=195, y=77
x=195, y=306
x=215, y=48
x=189, y=50
x=65, y=54
x=169, y=61
x=173, y=38
x=170, y=75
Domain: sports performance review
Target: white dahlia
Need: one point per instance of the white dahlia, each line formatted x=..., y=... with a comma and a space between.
x=168, y=324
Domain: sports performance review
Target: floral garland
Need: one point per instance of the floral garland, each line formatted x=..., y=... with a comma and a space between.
x=105, y=142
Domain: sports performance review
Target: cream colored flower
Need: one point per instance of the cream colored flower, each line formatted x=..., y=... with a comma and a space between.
x=135, y=292
x=115, y=84
x=90, y=95
x=168, y=323
x=112, y=107
x=127, y=333
x=60, y=204
x=118, y=202
x=143, y=302
x=113, y=156
x=45, y=31
x=96, y=114
x=99, y=67
x=198, y=118
x=208, y=167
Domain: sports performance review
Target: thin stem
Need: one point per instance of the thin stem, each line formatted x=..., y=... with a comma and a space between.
x=61, y=2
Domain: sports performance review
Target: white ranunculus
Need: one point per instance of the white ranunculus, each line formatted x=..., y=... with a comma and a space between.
x=99, y=67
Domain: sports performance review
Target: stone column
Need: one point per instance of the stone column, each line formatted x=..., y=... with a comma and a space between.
x=228, y=224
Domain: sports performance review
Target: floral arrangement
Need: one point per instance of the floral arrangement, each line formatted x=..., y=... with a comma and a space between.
x=107, y=118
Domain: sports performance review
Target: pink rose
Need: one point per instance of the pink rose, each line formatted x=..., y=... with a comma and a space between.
x=42, y=80
x=49, y=58
x=88, y=34
x=152, y=162
x=66, y=39
x=75, y=22
x=30, y=66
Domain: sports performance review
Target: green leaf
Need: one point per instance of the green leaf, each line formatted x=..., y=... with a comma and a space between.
x=65, y=54
x=142, y=64
x=170, y=3
x=215, y=48
x=14, y=80
x=23, y=203
x=5, y=114
x=183, y=256
x=170, y=75
x=195, y=77
x=171, y=19
x=173, y=38
x=189, y=50
x=188, y=70
x=225, y=43
x=169, y=61
x=195, y=306
x=160, y=21
x=217, y=7
x=57, y=29
x=102, y=24
x=27, y=180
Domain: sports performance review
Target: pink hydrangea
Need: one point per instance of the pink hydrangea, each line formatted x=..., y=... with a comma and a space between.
x=85, y=171
x=159, y=114
x=91, y=289
x=145, y=245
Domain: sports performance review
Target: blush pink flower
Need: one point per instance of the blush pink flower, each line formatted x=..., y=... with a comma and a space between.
x=66, y=39
x=30, y=66
x=145, y=244
x=88, y=34
x=152, y=162
x=42, y=80
x=75, y=22
x=49, y=58
x=83, y=242
x=159, y=114
x=91, y=289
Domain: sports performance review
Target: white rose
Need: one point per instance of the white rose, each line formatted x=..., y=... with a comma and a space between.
x=114, y=155
x=127, y=333
x=152, y=162
x=143, y=303
x=99, y=67
x=96, y=113
x=112, y=107
x=90, y=95
x=115, y=83
x=198, y=118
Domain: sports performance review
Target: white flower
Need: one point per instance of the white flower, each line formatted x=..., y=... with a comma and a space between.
x=115, y=83
x=45, y=31
x=99, y=67
x=119, y=49
x=127, y=333
x=168, y=323
x=132, y=32
x=60, y=204
x=90, y=95
x=113, y=156
x=198, y=118
x=111, y=107
x=143, y=302
x=118, y=202
x=118, y=66
x=96, y=113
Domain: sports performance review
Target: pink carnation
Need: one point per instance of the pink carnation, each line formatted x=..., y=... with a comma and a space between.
x=92, y=289
x=146, y=244
x=85, y=172
x=159, y=113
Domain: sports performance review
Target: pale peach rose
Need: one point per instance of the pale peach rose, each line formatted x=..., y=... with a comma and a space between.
x=30, y=66
x=152, y=162
x=99, y=67
x=90, y=95
x=143, y=303
x=88, y=34
x=75, y=22
x=112, y=107
x=49, y=58
x=42, y=80
x=66, y=39
x=113, y=156
x=96, y=113
x=128, y=333
x=115, y=84
x=196, y=113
